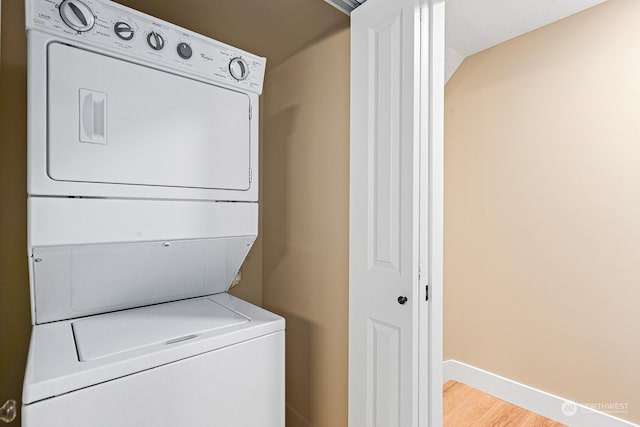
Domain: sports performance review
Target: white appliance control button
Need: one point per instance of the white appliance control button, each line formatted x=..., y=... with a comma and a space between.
x=238, y=68
x=123, y=30
x=77, y=15
x=155, y=41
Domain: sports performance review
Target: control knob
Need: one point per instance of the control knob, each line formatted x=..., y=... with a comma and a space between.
x=184, y=50
x=238, y=68
x=155, y=41
x=123, y=30
x=77, y=15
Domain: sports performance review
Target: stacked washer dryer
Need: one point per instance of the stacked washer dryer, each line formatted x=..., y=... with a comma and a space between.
x=142, y=204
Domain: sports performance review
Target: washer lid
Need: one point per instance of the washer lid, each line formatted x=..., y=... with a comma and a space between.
x=53, y=367
x=79, y=280
x=124, y=331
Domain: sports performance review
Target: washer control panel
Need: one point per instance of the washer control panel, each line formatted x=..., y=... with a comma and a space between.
x=114, y=27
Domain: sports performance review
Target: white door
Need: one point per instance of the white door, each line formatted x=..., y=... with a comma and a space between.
x=397, y=52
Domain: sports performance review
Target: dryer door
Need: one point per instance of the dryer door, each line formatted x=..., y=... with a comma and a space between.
x=112, y=121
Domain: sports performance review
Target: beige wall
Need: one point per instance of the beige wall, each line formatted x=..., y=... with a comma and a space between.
x=15, y=320
x=306, y=200
x=542, y=208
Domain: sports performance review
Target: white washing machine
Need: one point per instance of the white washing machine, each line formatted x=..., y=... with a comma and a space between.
x=142, y=205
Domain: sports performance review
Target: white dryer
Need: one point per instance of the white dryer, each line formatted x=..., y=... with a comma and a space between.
x=142, y=205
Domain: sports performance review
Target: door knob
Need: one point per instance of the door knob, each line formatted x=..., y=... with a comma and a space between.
x=8, y=411
x=402, y=299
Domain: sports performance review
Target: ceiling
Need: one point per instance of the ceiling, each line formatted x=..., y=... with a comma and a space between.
x=275, y=29
x=475, y=25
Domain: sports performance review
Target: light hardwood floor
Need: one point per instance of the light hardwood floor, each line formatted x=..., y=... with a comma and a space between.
x=467, y=407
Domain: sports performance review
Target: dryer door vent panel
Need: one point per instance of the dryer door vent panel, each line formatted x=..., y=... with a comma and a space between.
x=111, y=121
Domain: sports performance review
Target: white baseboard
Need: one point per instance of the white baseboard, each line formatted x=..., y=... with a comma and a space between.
x=529, y=398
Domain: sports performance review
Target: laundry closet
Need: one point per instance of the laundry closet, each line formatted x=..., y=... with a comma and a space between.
x=142, y=205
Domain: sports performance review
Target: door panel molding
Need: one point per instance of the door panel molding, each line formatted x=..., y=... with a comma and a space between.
x=384, y=140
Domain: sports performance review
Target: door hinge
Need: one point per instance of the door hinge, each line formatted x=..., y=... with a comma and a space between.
x=250, y=175
x=426, y=288
x=250, y=112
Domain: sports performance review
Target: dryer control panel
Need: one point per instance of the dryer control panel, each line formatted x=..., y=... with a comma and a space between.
x=117, y=28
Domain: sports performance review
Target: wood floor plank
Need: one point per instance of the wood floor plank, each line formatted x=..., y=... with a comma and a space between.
x=502, y=414
x=465, y=406
x=474, y=404
x=447, y=385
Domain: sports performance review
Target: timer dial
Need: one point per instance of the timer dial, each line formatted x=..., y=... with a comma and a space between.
x=77, y=15
x=239, y=69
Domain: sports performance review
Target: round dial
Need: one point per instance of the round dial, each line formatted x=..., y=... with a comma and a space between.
x=238, y=68
x=77, y=15
x=123, y=30
x=184, y=50
x=155, y=41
